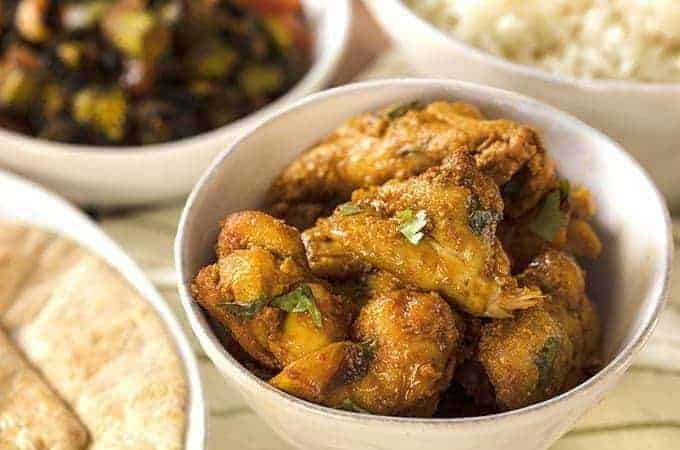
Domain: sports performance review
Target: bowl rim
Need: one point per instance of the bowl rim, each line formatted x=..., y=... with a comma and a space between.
x=657, y=294
x=318, y=76
x=534, y=72
x=115, y=257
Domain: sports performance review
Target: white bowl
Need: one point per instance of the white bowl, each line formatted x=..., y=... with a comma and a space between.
x=628, y=283
x=115, y=176
x=29, y=203
x=643, y=117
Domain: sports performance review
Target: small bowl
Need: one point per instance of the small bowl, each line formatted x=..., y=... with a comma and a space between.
x=31, y=204
x=641, y=116
x=128, y=176
x=629, y=282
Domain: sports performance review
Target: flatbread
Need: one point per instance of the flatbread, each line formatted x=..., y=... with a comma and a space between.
x=20, y=247
x=101, y=347
x=47, y=272
x=32, y=417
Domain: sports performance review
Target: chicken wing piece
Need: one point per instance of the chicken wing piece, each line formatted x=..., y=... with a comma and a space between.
x=261, y=290
x=398, y=143
x=405, y=352
x=546, y=349
x=435, y=232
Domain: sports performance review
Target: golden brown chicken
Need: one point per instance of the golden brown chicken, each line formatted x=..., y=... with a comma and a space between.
x=446, y=283
x=398, y=143
x=545, y=349
x=403, y=355
x=435, y=231
x=261, y=290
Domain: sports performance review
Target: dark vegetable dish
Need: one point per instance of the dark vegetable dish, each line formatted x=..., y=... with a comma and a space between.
x=420, y=261
x=136, y=72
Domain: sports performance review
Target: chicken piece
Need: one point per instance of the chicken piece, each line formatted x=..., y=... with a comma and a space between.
x=396, y=144
x=435, y=232
x=527, y=358
x=261, y=290
x=407, y=350
x=546, y=349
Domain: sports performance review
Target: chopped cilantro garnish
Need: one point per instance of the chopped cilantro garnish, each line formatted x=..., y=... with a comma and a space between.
x=349, y=209
x=565, y=188
x=245, y=311
x=297, y=301
x=369, y=348
x=411, y=225
x=550, y=219
x=545, y=361
x=399, y=111
x=349, y=405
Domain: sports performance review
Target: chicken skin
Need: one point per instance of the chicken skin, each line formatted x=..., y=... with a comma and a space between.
x=545, y=349
x=404, y=350
x=261, y=290
x=456, y=253
x=398, y=143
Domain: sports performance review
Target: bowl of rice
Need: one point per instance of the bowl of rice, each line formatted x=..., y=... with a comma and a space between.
x=613, y=63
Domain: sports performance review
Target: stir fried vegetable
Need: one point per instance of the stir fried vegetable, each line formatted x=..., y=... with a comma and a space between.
x=137, y=72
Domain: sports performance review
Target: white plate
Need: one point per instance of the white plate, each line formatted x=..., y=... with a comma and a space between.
x=114, y=176
x=27, y=202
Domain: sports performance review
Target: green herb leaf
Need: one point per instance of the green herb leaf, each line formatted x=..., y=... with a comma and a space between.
x=565, y=188
x=399, y=111
x=349, y=209
x=550, y=219
x=411, y=225
x=245, y=311
x=298, y=301
x=369, y=348
x=545, y=361
x=349, y=405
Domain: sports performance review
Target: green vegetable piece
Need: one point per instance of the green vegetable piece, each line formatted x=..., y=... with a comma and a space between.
x=137, y=34
x=103, y=110
x=349, y=405
x=245, y=311
x=213, y=61
x=298, y=301
x=259, y=80
x=411, y=225
x=550, y=219
x=18, y=88
x=349, y=209
x=399, y=111
x=545, y=361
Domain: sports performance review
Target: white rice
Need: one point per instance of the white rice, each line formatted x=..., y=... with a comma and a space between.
x=611, y=39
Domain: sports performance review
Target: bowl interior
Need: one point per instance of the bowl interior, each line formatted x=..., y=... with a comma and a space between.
x=627, y=283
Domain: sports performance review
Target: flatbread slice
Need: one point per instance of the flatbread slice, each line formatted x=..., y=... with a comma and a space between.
x=20, y=247
x=32, y=417
x=107, y=353
x=53, y=263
